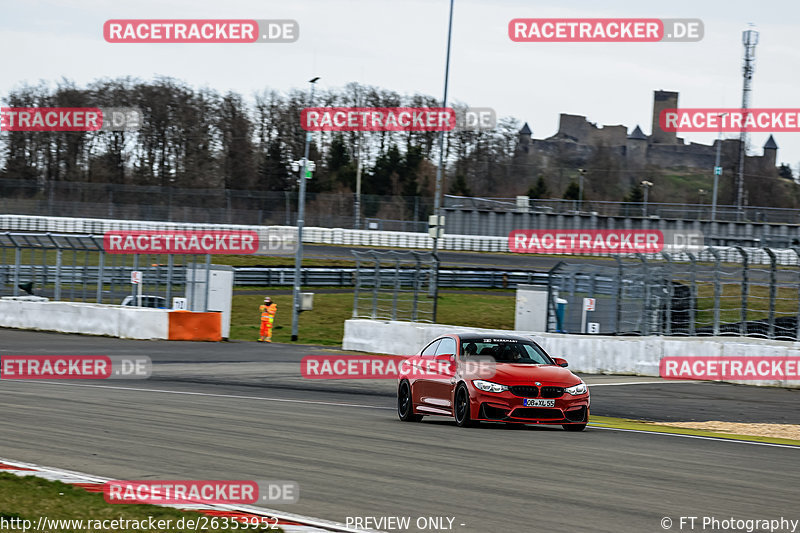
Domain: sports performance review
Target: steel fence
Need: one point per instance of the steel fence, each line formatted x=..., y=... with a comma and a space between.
x=677, y=294
x=684, y=211
x=67, y=267
x=211, y=206
x=392, y=285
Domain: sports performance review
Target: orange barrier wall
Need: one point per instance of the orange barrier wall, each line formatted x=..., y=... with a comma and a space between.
x=189, y=326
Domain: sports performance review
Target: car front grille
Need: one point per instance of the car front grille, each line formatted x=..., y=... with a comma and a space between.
x=526, y=391
x=552, y=392
x=537, y=413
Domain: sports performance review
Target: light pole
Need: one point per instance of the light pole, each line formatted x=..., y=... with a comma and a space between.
x=301, y=209
x=717, y=170
x=581, y=172
x=439, y=171
x=357, y=221
x=646, y=184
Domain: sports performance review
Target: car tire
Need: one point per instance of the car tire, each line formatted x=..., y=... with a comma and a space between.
x=461, y=407
x=405, y=404
x=573, y=427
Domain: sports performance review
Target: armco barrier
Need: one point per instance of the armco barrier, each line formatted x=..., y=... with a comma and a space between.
x=590, y=354
x=337, y=236
x=108, y=320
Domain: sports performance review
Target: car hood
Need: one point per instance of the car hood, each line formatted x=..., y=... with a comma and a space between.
x=515, y=374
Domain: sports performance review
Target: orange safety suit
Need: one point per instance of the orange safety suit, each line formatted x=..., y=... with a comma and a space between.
x=267, y=318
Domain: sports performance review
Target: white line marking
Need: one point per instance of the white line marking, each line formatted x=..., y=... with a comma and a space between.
x=643, y=383
x=235, y=396
x=698, y=437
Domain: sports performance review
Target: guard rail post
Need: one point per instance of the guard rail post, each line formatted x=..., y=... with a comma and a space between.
x=717, y=288
x=773, y=286
x=745, y=290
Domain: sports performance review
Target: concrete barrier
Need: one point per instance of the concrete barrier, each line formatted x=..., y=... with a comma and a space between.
x=590, y=354
x=109, y=320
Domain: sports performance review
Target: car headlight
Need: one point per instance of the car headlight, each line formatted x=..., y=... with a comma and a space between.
x=488, y=386
x=575, y=390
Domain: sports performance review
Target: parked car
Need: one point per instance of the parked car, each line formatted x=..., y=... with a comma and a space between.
x=156, y=302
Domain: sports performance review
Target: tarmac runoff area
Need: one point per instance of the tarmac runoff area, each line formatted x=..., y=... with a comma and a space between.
x=240, y=411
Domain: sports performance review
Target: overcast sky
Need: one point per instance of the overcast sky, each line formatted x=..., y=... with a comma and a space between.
x=400, y=45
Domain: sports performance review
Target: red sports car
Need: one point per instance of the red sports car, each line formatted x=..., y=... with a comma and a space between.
x=527, y=385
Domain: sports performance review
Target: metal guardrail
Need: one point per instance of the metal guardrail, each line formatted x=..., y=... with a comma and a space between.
x=345, y=277
x=349, y=237
x=270, y=276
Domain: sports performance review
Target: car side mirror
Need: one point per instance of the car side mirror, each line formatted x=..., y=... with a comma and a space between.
x=561, y=362
x=450, y=357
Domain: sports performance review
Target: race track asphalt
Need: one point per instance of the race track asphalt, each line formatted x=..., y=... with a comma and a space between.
x=239, y=411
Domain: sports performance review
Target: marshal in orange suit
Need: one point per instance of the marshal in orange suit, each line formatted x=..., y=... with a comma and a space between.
x=268, y=310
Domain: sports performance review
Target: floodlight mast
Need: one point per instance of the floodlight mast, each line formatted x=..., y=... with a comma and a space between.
x=307, y=168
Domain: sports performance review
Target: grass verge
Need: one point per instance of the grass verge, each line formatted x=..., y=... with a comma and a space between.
x=325, y=324
x=29, y=498
x=655, y=427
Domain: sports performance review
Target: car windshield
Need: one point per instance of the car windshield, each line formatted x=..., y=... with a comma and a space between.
x=506, y=351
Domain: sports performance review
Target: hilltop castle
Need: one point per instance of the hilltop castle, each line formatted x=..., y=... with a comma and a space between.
x=578, y=143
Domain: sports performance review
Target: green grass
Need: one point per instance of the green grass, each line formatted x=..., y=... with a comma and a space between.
x=29, y=498
x=325, y=324
x=731, y=298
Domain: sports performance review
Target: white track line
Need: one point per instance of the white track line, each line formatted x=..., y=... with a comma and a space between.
x=188, y=393
x=644, y=382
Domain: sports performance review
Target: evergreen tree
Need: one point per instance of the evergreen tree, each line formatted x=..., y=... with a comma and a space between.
x=539, y=190
x=572, y=192
x=459, y=186
x=635, y=195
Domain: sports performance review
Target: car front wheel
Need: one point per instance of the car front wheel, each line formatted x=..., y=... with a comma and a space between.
x=405, y=406
x=461, y=407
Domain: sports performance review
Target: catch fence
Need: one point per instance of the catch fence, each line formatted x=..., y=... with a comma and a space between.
x=68, y=267
x=391, y=285
x=677, y=294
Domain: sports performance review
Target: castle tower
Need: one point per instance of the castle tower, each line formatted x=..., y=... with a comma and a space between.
x=636, y=150
x=663, y=100
x=770, y=153
x=525, y=138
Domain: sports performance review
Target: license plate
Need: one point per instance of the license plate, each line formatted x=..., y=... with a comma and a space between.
x=535, y=402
